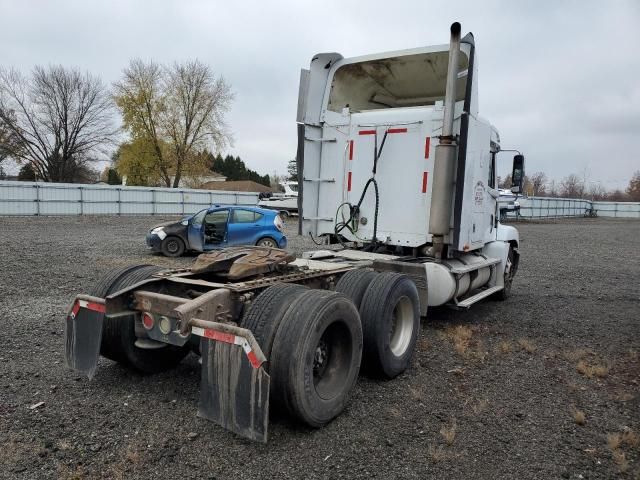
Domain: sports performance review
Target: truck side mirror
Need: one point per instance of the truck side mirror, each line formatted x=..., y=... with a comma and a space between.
x=517, y=174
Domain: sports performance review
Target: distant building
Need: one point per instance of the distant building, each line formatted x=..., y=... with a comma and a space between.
x=189, y=182
x=198, y=182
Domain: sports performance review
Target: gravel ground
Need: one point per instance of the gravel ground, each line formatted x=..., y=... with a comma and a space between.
x=495, y=392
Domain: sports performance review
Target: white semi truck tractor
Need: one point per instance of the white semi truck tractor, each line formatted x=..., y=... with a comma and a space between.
x=396, y=170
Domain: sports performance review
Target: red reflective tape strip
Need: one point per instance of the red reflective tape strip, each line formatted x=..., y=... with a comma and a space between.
x=255, y=363
x=367, y=132
x=349, y=182
x=397, y=130
x=75, y=309
x=219, y=336
x=96, y=307
x=425, y=177
x=350, y=149
x=427, y=144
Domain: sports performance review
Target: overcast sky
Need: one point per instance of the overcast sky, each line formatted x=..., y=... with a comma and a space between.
x=560, y=80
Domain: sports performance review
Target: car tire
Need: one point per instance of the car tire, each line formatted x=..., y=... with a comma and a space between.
x=267, y=242
x=118, y=334
x=354, y=284
x=316, y=356
x=390, y=312
x=172, y=246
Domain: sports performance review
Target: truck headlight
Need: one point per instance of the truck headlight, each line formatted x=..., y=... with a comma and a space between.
x=157, y=230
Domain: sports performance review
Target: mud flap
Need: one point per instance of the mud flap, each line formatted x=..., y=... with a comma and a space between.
x=83, y=333
x=234, y=390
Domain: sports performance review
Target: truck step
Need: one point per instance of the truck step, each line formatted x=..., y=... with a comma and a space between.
x=477, y=266
x=467, y=302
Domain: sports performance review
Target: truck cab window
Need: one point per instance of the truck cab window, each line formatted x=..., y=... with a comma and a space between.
x=492, y=171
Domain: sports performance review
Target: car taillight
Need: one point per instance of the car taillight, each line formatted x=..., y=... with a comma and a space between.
x=147, y=321
x=277, y=221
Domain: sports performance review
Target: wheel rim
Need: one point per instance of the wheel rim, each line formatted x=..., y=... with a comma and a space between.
x=332, y=361
x=508, y=272
x=267, y=243
x=401, y=327
x=172, y=246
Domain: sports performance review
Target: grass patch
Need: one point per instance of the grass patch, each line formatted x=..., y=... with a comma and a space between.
x=578, y=354
x=630, y=438
x=436, y=454
x=460, y=336
x=505, y=347
x=614, y=440
x=463, y=343
x=620, y=459
x=579, y=417
x=526, y=345
x=593, y=369
x=448, y=432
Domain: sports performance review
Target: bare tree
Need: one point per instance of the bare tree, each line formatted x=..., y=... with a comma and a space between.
x=572, y=187
x=538, y=181
x=597, y=191
x=179, y=110
x=59, y=120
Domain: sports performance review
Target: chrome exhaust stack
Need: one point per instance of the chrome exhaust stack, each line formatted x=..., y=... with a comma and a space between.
x=445, y=155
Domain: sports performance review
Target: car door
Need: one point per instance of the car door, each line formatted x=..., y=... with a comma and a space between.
x=244, y=227
x=195, y=233
x=215, y=226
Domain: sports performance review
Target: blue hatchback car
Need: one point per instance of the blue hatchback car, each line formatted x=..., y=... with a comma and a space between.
x=217, y=227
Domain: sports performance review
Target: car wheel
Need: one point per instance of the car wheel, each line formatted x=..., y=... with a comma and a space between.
x=173, y=246
x=267, y=242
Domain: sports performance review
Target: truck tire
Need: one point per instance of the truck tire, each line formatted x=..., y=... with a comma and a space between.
x=390, y=312
x=118, y=334
x=265, y=313
x=316, y=356
x=508, y=276
x=354, y=283
x=172, y=246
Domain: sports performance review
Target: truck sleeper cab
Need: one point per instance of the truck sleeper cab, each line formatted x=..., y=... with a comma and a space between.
x=368, y=138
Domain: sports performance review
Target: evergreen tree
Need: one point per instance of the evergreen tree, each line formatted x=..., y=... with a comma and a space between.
x=235, y=169
x=27, y=174
x=292, y=170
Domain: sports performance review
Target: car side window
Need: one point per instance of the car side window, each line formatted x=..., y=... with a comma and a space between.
x=258, y=217
x=197, y=218
x=217, y=217
x=243, y=216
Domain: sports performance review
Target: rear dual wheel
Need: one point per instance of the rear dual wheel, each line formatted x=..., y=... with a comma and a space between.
x=313, y=343
x=118, y=334
x=389, y=308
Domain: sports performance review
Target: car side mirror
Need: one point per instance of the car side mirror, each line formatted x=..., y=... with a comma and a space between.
x=517, y=174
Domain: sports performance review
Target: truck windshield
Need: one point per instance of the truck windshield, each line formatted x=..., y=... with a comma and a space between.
x=403, y=81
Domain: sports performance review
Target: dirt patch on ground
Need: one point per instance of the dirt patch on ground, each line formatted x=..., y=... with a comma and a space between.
x=544, y=385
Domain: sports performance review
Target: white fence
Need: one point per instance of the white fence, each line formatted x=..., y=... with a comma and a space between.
x=35, y=198
x=543, y=207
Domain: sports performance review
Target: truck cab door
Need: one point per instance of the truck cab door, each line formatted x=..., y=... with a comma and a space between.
x=195, y=232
